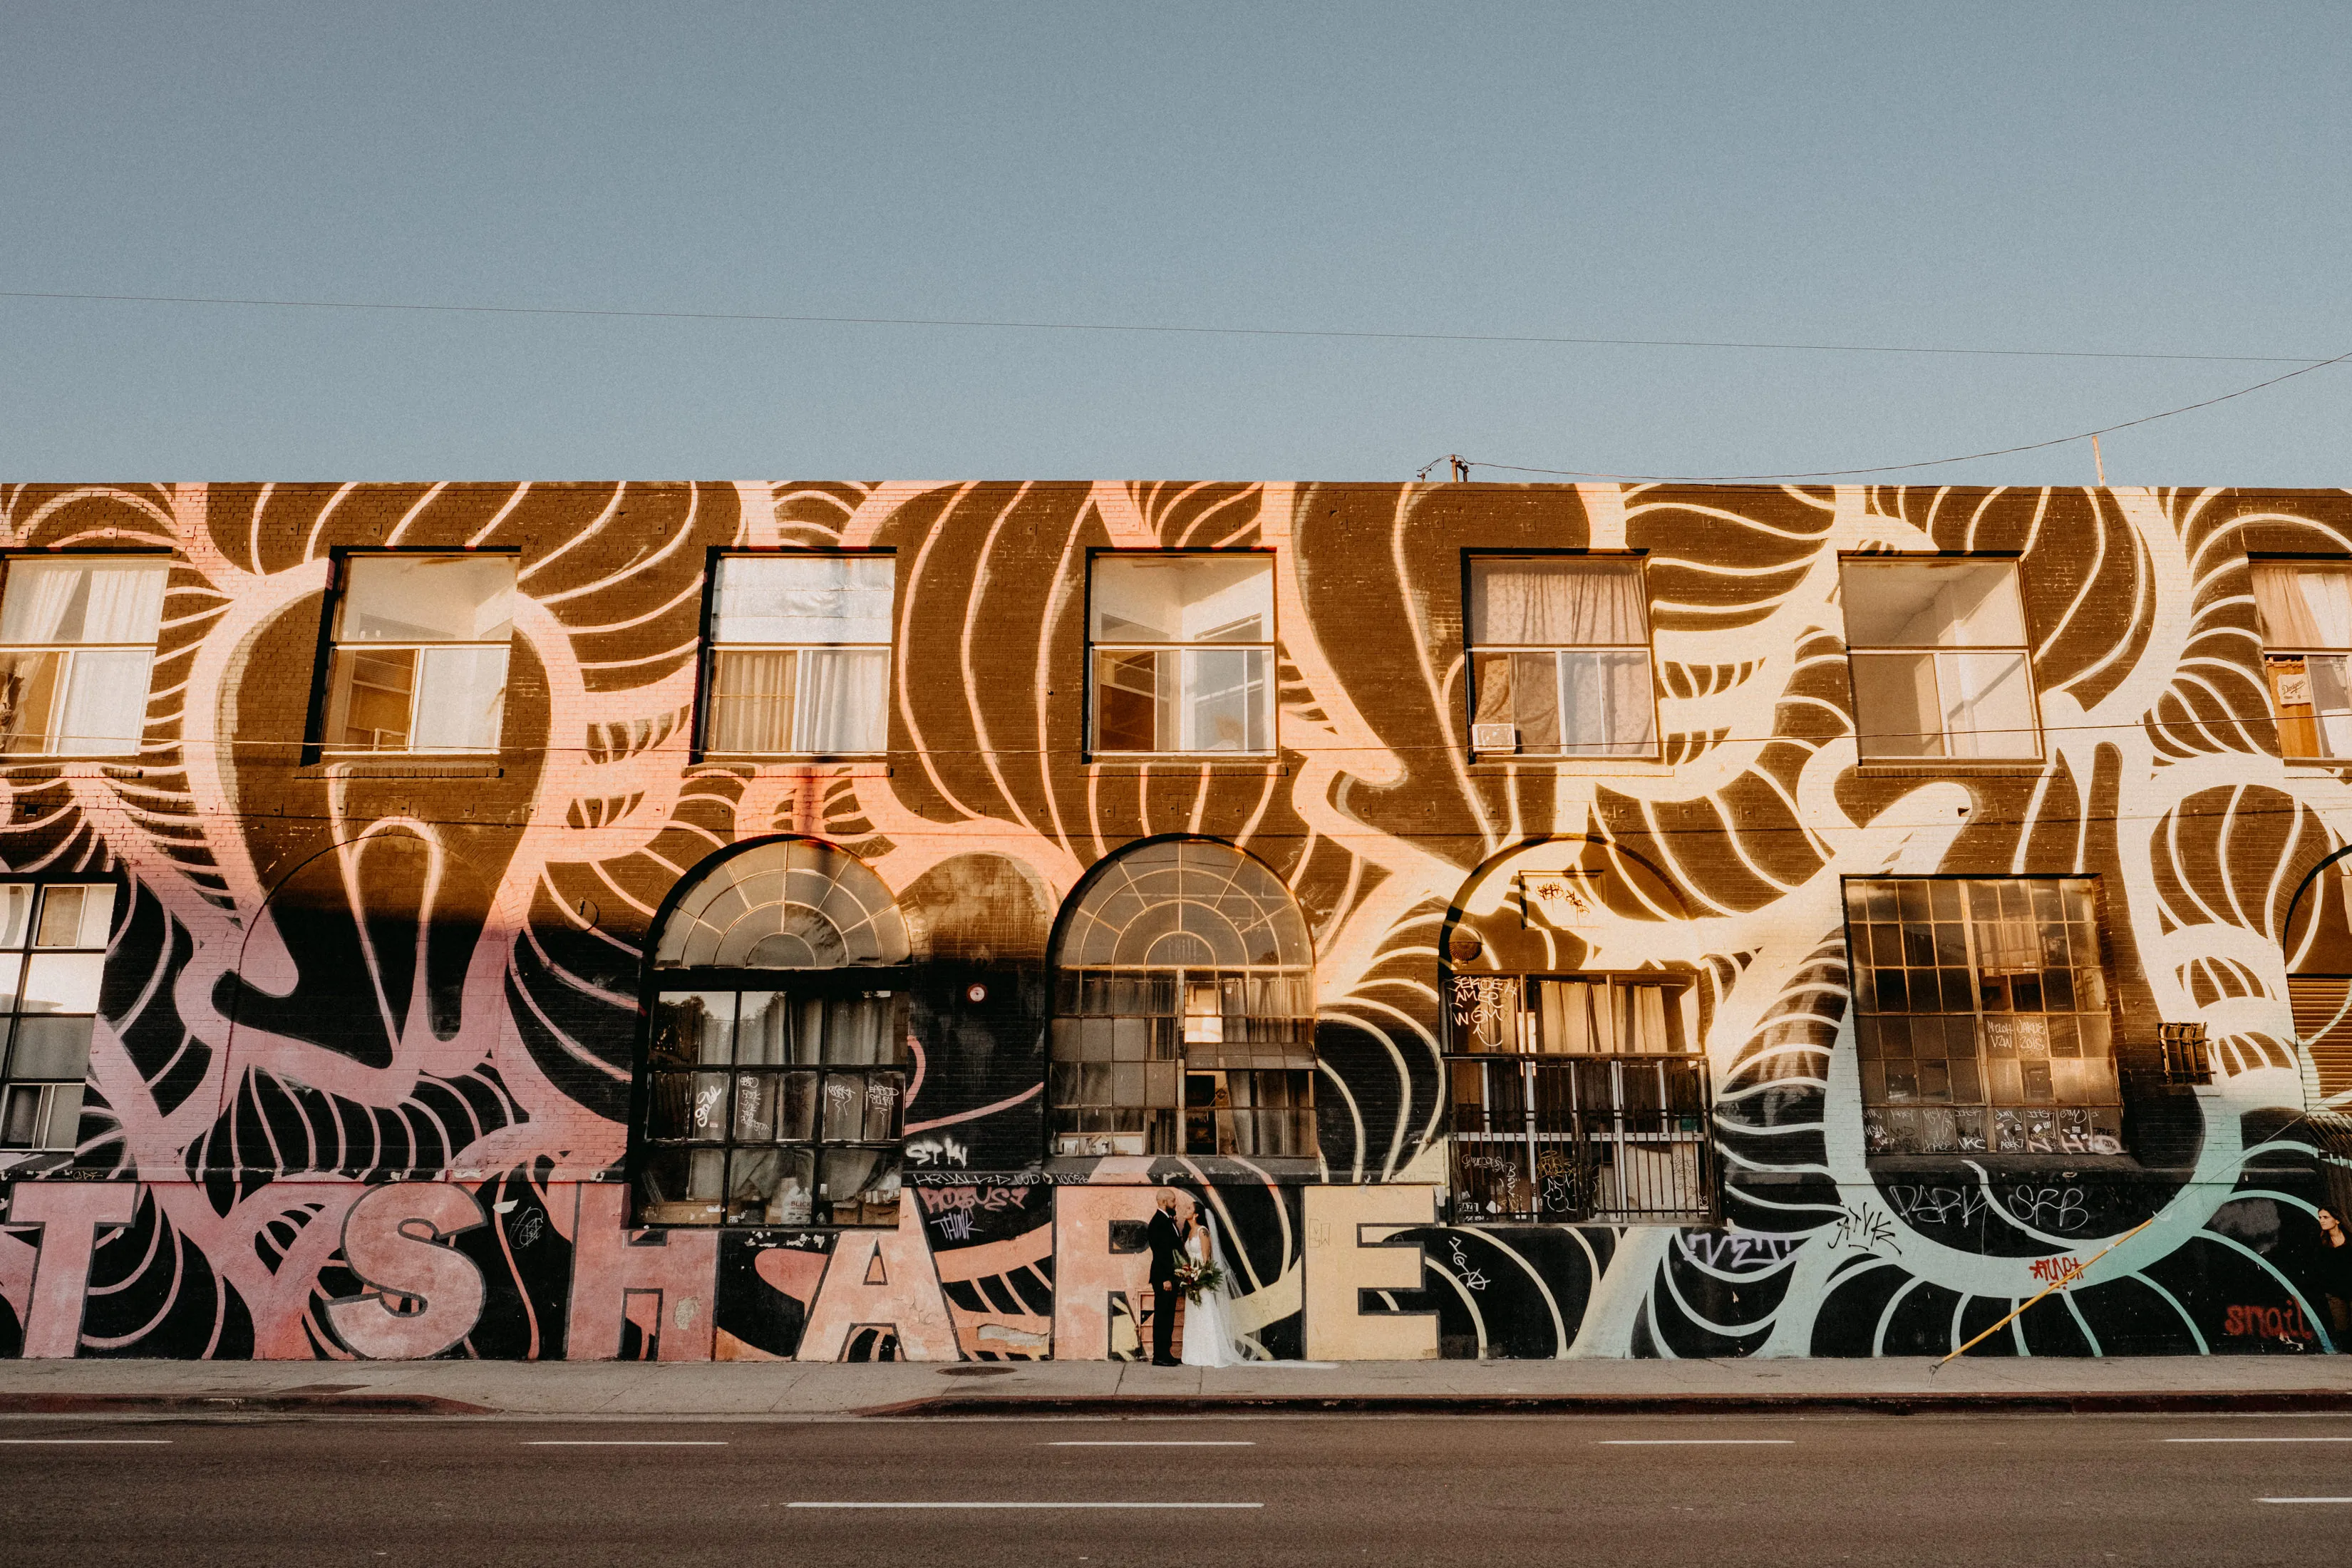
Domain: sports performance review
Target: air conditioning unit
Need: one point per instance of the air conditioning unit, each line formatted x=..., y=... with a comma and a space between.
x=1494, y=737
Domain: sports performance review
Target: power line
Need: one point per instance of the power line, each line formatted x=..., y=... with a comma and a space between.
x=1461, y=462
x=1165, y=329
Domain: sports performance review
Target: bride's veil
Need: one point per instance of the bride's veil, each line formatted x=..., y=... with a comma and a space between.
x=1231, y=1290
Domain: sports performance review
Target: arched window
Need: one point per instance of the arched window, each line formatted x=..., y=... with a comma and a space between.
x=776, y=1056
x=1185, y=1015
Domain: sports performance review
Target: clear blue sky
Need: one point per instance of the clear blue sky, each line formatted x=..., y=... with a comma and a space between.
x=2133, y=177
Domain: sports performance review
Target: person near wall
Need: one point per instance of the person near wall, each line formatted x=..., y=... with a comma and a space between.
x=1166, y=1243
x=2335, y=1273
x=1208, y=1320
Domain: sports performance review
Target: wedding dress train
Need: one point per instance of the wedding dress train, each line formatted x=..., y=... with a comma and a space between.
x=1209, y=1321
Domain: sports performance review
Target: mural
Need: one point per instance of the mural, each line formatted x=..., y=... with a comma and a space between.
x=371, y=1032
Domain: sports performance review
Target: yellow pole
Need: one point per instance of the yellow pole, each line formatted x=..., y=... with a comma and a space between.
x=2058, y=1284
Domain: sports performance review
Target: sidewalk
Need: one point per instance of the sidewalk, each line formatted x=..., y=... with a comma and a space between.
x=748, y=1389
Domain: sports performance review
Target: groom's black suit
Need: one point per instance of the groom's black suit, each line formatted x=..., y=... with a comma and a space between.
x=1165, y=1245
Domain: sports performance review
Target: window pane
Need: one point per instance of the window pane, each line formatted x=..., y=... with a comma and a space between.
x=845, y=702
x=763, y=1037
x=755, y=1107
x=1182, y=598
x=50, y=1047
x=61, y=921
x=692, y=1027
x=427, y=598
x=16, y=909
x=803, y=599
x=1932, y=604
x=1895, y=709
x=63, y=982
x=106, y=702
x=1606, y=711
x=683, y=1186
x=751, y=702
x=65, y=1116
x=1557, y=603
x=1128, y=700
x=83, y=600
x=1224, y=700
x=1535, y=699
x=21, y=1122
x=2304, y=607
x=30, y=686
x=461, y=695
x=1988, y=705
x=368, y=696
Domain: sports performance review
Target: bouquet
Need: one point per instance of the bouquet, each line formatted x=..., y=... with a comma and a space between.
x=1194, y=1278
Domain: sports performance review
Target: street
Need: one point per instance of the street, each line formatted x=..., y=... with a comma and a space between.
x=1753, y=1491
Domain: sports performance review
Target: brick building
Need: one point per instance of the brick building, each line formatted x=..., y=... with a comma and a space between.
x=813, y=920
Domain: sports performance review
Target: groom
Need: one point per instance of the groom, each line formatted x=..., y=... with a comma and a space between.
x=1166, y=1243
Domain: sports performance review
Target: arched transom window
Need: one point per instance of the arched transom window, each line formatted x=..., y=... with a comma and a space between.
x=1184, y=1009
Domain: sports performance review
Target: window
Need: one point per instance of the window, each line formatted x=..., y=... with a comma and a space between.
x=777, y=1063
x=52, y=954
x=1981, y=1016
x=77, y=644
x=775, y=1107
x=1560, y=655
x=1938, y=659
x=1182, y=653
x=1185, y=1010
x=2306, y=619
x=1578, y=1096
x=420, y=653
x=800, y=655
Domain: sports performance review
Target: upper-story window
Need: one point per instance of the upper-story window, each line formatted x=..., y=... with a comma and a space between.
x=800, y=655
x=1182, y=653
x=77, y=644
x=1560, y=655
x=52, y=955
x=1982, y=1020
x=420, y=653
x=2305, y=611
x=1939, y=655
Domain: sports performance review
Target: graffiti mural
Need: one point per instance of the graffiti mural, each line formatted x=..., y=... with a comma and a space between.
x=370, y=1031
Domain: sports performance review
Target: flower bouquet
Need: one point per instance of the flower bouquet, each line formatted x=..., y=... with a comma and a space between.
x=1193, y=1279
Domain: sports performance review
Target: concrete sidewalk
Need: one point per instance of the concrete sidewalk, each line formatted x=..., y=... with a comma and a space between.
x=784, y=1389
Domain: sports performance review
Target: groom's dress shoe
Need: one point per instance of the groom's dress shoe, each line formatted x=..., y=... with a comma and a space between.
x=1156, y=1362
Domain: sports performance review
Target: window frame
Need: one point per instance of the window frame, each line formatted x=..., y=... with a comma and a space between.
x=1862, y=1005
x=2024, y=651
x=316, y=748
x=1271, y=647
x=2286, y=653
x=170, y=558
x=16, y=1155
x=708, y=647
x=1471, y=560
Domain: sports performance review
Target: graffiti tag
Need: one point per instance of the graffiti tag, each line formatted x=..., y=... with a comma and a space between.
x=1862, y=1229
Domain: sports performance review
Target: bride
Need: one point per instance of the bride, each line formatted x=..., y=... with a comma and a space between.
x=1209, y=1321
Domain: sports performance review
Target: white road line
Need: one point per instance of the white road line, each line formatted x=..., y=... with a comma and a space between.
x=1173, y=1443
x=2256, y=1439
x=941, y=1505
x=87, y=1442
x=624, y=1443
x=1694, y=1442
x=2303, y=1500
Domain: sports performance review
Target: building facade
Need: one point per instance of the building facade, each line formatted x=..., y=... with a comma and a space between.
x=813, y=920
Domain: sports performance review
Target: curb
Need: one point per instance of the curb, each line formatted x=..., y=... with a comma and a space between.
x=237, y=1405
x=2272, y=1401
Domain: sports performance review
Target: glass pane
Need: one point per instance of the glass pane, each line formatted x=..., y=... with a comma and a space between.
x=884, y=1090
x=367, y=695
x=1895, y=709
x=845, y=702
x=858, y=1030
x=65, y=1116
x=1605, y=708
x=803, y=599
x=682, y=1187
x=61, y=917
x=461, y=695
x=427, y=598
x=692, y=1027
x=21, y=1122
x=1182, y=598
x=50, y=1047
x=2302, y=606
x=755, y=1107
x=86, y=599
x=1561, y=602
x=1130, y=714
x=1535, y=699
x=1224, y=700
x=1988, y=705
x=30, y=688
x=796, y=1106
x=106, y=702
x=1932, y=604
x=764, y=1039
x=858, y=1186
x=751, y=702
x=63, y=982
x=845, y=1107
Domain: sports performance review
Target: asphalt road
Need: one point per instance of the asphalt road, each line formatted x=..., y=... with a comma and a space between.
x=1494, y=1492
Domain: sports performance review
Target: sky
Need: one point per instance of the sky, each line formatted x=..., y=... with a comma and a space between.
x=2131, y=179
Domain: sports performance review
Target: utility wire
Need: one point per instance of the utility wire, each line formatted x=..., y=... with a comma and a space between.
x=1169, y=329
x=1461, y=462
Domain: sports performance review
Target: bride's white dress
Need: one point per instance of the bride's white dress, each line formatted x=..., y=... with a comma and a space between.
x=1209, y=1321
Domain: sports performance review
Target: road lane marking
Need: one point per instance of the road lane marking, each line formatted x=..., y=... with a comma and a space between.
x=940, y=1505
x=88, y=1442
x=626, y=1443
x=2303, y=1500
x=1694, y=1442
x=1157, y=1443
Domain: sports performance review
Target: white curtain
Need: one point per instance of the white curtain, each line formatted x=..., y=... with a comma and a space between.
x=38, y=594
x=751, y=702
x=1557, y=604
x=106, y=702
x=126, y=602
x=844, y=701
x=461, y=695
x=2301, y=607
x=1606, y=709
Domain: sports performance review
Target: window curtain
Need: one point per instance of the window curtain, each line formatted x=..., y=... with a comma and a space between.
x=751, y=702
x=2304, y=609
x=1557, y=604
x=1608, y=711
x=843, y=703
x=106, y=701
x=39, y=592
x=460, y=696
x=126, y=602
